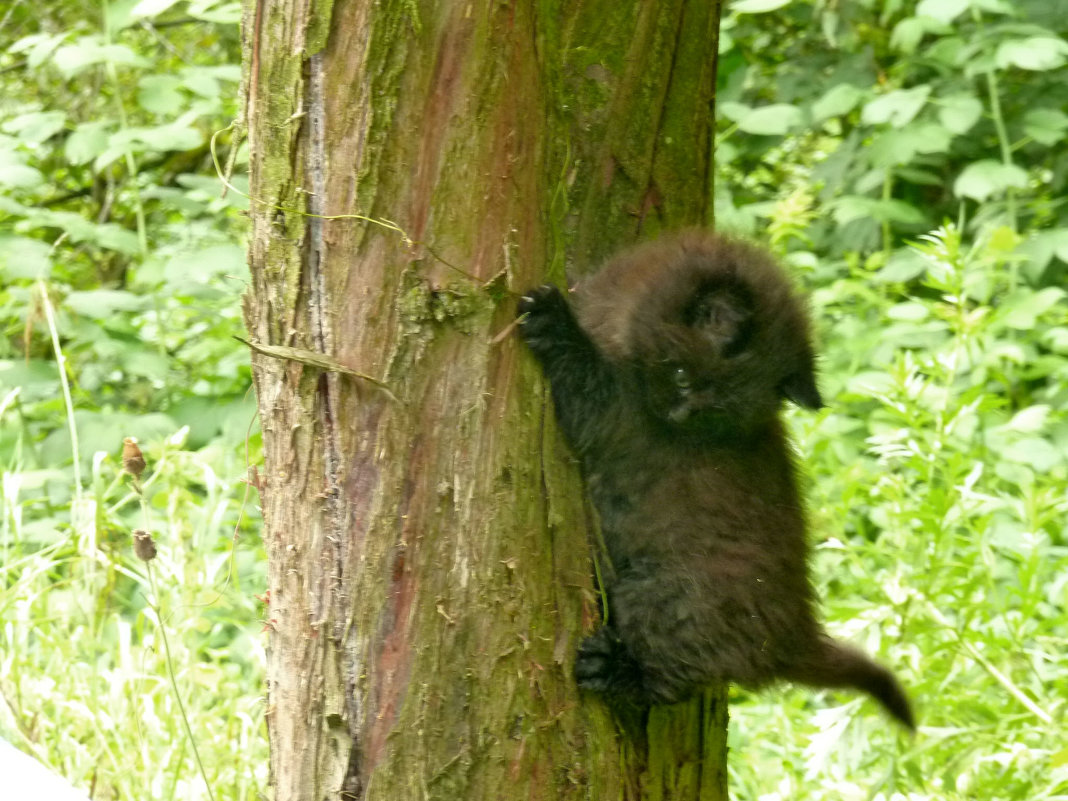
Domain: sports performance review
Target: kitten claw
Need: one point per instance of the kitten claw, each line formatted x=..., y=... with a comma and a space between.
x=539, y=299
x=543, y=313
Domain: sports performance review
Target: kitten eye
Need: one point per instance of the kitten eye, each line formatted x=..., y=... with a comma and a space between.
x=682, y=378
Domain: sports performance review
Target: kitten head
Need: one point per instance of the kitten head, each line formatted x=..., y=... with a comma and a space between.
x=706, y=329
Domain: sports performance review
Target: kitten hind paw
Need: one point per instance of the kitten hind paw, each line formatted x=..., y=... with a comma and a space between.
x=603, y=665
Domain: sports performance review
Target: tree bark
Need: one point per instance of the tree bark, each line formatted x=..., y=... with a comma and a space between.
x=428, y=565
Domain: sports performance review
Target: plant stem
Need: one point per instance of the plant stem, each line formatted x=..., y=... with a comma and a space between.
x=61, y=363
x=174, y=681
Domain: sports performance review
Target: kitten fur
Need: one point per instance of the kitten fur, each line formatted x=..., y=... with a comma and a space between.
x=667, y=376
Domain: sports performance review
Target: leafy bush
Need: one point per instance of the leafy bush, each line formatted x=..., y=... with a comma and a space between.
x=939, y=506
x=940, y=471
x=898, y=115
x=122, y=269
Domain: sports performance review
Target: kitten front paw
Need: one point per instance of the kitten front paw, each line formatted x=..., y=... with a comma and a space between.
x=604, y=666
x=544, y=314
x=540, y=299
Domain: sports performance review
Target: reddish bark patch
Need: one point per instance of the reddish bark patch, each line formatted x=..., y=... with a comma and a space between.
x=394, y=660
x=509, y=168
x=442, y=95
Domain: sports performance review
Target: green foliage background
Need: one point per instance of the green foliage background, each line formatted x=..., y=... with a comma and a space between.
x=906, y=159
x=123, y=266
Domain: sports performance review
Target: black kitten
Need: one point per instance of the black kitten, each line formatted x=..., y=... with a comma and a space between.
x=667, y=380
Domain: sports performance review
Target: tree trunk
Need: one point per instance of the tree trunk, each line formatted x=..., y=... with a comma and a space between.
x=428, y=561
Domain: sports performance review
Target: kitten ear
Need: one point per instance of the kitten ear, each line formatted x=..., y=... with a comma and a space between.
x=723, y=315
x=800, y=388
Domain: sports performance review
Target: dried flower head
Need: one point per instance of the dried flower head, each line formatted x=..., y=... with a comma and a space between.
x=144, y=545
x=133, y=461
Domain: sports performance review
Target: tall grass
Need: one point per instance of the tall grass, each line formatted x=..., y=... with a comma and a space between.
x=83, y=673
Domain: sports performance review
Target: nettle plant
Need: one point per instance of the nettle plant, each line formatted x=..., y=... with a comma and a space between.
x=938, y=498
x=957, y=383
x=907, y=114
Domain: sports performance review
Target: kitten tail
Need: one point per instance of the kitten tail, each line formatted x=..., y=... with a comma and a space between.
x=836, y=665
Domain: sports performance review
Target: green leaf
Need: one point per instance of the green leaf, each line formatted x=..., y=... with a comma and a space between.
x=870, y=383
x=79, y=229
x=910, y=312
x=214, y=11
x=1037, y=53
x=944, y=11
x=994, y=6
x=150, y=8
x=1029, y=420
x=774, y=120
x=23, y=257
x=100, y=304
x=948, y=51
x=907, y=35
x=13, y=207
x=10, y=151
x=895, y=146
x=177, y=135
x=117, y=14
x=160, y=94
x=890, y=148
x=35, y=127
x=145, y=363
x=1022, y=309
x=19, y=176
x=903, y=265
x=87, y=141
x=1046, y=125
x=28, y=42
x=1035, y=452
x=757, y=6
x=930, y=137
x=909, y=32
x=1039, y=248
x=839, y=100
x=221, y=72
x=115, y=237
x=175, y=199
x=898, y=107
x=109, y=155
x=981, y=179
x=1059, y=240
x=1002, y=240
x=201, y=82
x=208, y=418
x=38, y=47
x=732, y=111
x=37, y=380
x=187, y=272
x=959, y=113
x=917, y=175
x=74, y=58
x=856, y=207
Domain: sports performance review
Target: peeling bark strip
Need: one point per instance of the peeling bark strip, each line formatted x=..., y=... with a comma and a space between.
x=428, y=564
